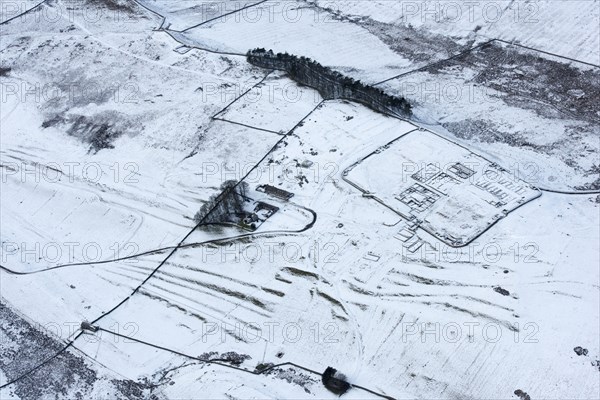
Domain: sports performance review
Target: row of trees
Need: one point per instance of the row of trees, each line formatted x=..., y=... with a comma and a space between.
x=331, y=84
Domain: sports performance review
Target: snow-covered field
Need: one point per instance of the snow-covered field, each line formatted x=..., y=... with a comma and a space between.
x=185, y=14
x=411, y=256
x=568, y=28
x=276, y=94
x=533, y=113
x=288, y=27
x=439, y=186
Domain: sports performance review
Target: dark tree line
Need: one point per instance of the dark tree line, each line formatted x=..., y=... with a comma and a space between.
x=227, y=206
x=331, y=84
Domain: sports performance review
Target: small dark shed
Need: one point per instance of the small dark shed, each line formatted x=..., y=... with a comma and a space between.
x=86, y=326
x=335, y=385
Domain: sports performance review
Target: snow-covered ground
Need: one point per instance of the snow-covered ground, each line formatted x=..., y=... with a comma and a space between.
x=276, y=94
x=113, y=137
x=439, y=186
x=288, y=27
x=535, y=114
x=568, y=28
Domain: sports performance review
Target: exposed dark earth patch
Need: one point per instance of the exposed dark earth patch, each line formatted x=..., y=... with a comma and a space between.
x=543, y=106
x=115, y=5
x=98, y=131
x=417, y=45
x=25, y=347
x=68, y=376
x=230, y=357
x=531, y=79
x=291, y=375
